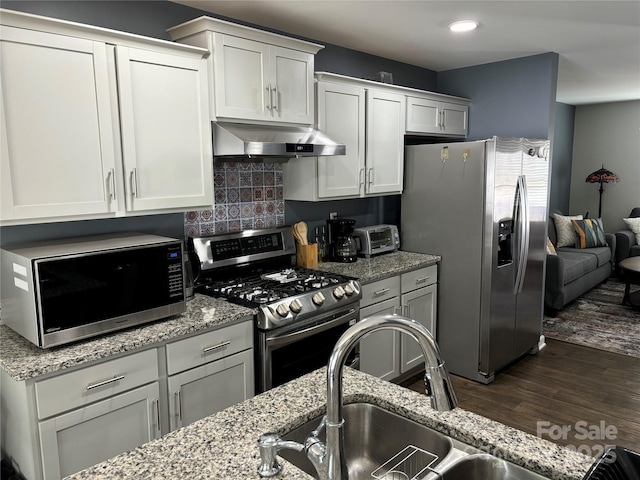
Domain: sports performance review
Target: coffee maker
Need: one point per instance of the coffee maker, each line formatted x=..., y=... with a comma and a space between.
x=342, y=244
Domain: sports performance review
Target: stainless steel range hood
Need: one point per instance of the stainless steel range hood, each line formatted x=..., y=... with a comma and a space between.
x=238, y=141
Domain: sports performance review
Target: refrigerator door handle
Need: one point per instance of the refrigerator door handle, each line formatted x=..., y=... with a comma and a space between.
x=522, y=224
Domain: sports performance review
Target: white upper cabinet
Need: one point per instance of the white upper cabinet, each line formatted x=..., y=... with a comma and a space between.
x=341, y=115
x=370, y=121
x=57, y=139
x=257, y=75
x=98, y=123
x=166, y=139
x=385, y=142
x=429, y=115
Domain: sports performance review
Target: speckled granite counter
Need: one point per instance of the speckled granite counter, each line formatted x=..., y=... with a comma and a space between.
x=369, y=270
x=224, y=445
x=22, y=360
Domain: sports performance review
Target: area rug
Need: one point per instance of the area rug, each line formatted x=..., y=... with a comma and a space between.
x=596, y=319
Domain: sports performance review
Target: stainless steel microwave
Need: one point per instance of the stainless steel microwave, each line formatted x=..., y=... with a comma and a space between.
x=57, y=292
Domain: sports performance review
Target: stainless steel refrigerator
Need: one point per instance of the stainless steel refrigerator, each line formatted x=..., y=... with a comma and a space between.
x=483, y=207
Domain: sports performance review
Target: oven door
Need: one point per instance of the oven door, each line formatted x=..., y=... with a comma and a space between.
x=292, y=351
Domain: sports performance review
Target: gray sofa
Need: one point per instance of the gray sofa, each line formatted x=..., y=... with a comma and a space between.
x=626, y=245
x=574, y=271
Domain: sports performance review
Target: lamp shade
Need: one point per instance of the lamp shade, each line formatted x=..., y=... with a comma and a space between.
x=602, y=175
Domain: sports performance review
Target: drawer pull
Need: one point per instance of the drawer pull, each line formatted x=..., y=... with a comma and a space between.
x=380, y=292
x=422, y=279
x=215, y=347
x=117, y=378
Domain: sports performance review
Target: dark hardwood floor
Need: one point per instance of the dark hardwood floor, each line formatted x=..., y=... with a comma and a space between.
x=592, y=394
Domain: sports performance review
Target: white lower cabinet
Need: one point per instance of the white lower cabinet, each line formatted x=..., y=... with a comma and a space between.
x=55, y=425
x=81, y=438
x=209, y=372
x=208, y=389
x=419, y=302
x=380, y=351
x=389, y=354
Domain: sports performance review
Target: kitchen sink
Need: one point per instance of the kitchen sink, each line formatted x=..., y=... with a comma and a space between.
x=375, y=441
x=486, y=467
x=385, y=446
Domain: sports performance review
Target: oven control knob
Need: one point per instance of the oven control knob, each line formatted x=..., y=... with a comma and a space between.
x=318, y=298
x=351, y=288
x=338, y=292
x=295, y=306
x=282, y=310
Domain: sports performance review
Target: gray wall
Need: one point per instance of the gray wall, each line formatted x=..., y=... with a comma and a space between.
x=562, y=154
x=609, y=134
x=514, y=98
x=152, y=18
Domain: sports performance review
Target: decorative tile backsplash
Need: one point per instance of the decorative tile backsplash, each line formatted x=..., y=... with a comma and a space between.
x=246, y=196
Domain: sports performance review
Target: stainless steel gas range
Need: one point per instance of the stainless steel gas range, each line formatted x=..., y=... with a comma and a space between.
x=300, y=313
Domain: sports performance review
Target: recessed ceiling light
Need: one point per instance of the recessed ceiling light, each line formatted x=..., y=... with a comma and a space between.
x=463, y=26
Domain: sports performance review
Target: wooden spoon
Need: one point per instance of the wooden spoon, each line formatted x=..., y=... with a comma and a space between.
x=296, y=234
x=302, y=230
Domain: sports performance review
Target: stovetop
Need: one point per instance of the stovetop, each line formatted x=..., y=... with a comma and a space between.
x=285, y=296
x=254, y=268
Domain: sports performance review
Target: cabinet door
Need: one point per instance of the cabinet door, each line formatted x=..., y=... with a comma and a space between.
x=76, y=440
x=454, y=119
x=205, y=390
x=423, y=116
x=241, y=78
x=380, y=351
x=385, y=142
x=166, y=138
x=341, y=114
x=58, y=146
x=420, y=305
x=291, y=82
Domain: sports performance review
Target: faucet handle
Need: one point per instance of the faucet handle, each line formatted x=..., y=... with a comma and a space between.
x=270, y=444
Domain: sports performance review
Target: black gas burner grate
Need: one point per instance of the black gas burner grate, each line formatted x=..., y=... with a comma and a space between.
x=270, y=287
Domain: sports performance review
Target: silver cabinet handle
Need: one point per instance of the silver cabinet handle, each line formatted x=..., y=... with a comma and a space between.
x=117, y=378
x=406, y=311
x=444, y=119
x=268, y=105
x=380, y=292
x=178, y=406
x=215, y=347
x=422, y=279
x=134, y=182
x=156, y=407
x=370, y=175
x=275, y=105
x=111, y=180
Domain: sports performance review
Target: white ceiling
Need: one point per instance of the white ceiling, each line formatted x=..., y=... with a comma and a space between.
x=598, y=41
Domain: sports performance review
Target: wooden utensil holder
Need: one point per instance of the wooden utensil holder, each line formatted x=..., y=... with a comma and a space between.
x=307, y=255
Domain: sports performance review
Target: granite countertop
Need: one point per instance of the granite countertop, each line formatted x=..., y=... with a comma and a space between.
x=22, y=360
x=224, y=445
x=369, y=270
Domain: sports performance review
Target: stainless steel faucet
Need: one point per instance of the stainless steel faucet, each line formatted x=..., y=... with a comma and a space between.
x=328, y=459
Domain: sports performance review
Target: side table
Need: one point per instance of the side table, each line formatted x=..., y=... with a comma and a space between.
x=630, y=268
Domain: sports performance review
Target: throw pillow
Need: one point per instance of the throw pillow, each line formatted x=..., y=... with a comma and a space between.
x=551, y=250
x=634, y=226
x=564, y=230
x=589, y=233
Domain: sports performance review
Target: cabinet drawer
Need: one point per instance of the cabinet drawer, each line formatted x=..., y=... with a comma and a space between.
x=381, y=290
x=419, y=278
x=82, y=387
x=195, y=351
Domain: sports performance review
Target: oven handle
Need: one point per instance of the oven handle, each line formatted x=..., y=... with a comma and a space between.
x=308, y=332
